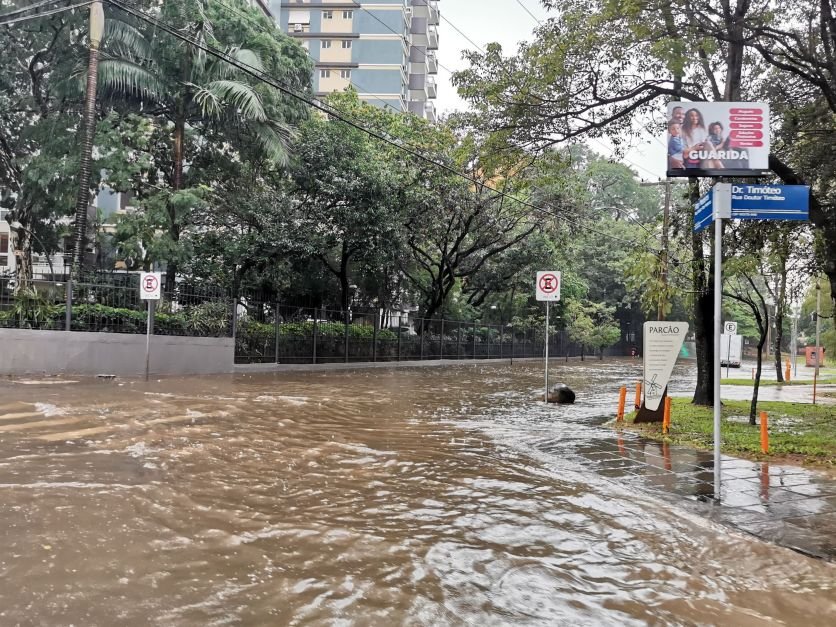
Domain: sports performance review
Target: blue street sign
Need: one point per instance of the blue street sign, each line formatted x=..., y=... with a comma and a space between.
x=770, y=202
x=757, y=202
x=703, y=212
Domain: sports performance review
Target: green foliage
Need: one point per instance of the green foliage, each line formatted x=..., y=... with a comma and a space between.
x=794, y=429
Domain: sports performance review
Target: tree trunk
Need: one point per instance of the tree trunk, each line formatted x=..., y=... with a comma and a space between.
x=753, y=408
x=23, y=258
x=82, y=205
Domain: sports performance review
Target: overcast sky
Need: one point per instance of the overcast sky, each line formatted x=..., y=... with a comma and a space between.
x=506, y=22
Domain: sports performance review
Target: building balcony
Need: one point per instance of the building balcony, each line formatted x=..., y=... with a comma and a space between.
x=432, y=63
x=435, y=14
x=432, y=38
x=430, y=112
x=432, y=88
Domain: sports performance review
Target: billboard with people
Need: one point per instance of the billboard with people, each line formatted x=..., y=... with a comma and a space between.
x=718, y=139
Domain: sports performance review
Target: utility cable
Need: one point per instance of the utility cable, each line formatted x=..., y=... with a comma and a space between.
x=525, y=8
x=29, y=18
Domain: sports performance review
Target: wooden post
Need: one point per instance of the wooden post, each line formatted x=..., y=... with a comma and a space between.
x=622, y=399
x=638, y=402
x=666, y=421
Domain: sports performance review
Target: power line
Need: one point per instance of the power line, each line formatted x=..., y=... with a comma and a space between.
x=525, y=8
x=29, y=18
x=31, y=7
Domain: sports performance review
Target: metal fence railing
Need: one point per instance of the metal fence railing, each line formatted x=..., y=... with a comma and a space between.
x=111, y=304
x=268, y=332
x=277, y=333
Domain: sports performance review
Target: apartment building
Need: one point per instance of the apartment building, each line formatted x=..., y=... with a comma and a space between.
x=385, y=49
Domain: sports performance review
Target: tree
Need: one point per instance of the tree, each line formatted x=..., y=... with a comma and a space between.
x=200, y=97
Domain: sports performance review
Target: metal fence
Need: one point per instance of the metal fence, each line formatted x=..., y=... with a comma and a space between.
x=268, y=332
x=277, y=333
x=111, y=304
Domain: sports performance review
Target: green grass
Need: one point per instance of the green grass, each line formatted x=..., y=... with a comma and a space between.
x=800, y=431
x=772, y=382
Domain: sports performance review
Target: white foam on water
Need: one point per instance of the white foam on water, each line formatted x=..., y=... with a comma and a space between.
x=290, y=400
x=48, y=409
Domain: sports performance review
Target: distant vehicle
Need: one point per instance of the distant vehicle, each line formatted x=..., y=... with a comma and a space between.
x=731, y=350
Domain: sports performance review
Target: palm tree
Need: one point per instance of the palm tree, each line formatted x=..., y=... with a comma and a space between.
x=187, y=88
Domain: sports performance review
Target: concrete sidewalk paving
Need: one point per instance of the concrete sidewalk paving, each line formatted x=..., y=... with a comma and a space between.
x=788, y=505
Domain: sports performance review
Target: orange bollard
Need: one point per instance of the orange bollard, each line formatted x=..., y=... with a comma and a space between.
x=622, y=399
x=787, y=372
x=638, y=402
x=666, y=420
x=764, y=433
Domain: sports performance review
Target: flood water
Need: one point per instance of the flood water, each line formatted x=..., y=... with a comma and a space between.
x=424, y=496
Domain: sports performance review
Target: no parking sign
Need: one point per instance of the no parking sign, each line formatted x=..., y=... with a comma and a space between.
x=548, y=285
x=150, y=285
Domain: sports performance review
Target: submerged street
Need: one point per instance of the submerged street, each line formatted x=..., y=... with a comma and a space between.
x=440, y=496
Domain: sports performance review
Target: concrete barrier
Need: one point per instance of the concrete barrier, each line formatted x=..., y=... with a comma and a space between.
x=59, y=352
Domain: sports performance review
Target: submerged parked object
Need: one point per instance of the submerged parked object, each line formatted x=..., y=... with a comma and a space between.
x=561, y=394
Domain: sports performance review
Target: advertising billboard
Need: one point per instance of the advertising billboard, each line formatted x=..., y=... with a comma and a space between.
x=718, y=139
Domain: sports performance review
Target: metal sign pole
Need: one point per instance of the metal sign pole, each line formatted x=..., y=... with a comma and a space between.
x=546, y=394
x=817, y=350
x=148, y=338
x=718, y=306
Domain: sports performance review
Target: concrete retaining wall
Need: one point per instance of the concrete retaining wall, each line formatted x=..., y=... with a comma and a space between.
x=60, y=352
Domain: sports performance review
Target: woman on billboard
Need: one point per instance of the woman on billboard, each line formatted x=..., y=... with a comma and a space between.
x=699, y=152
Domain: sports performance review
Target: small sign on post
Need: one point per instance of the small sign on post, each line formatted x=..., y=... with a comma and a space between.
x=730, y=329
x=150, y=285
x=547, y=289
x=662, y=343
x=150, y=290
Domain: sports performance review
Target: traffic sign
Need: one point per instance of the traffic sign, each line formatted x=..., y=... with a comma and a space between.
x=150, y=285
x=548, y=285
x=730, y=328
x=754, y=202
x=770, y=202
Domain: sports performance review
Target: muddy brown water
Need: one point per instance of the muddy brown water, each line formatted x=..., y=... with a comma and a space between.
x=425, y=496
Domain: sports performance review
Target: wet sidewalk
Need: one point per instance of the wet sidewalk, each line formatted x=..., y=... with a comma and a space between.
x=792, y=506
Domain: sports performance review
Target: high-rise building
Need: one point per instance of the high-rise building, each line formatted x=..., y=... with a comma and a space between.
x=385, y=49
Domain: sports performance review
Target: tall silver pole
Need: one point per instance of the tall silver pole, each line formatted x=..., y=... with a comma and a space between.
x=546, y=394
x=148, y=337
x=718, y=329
x=818, y=339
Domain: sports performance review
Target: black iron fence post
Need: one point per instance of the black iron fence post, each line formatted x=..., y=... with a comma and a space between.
x=276, y=323
x=399, y=341
x=501, y=337
x=68, y=302
x=345, y=345
x=512, y=344
x=459, y=342
x=315, y=335
x=474, y=340
x=374, y=337
x=422, y=339
x=441, y=340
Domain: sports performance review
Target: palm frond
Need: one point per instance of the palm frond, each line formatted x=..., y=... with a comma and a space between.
x=244, y=56
x=128, y=38
x=242, y=97
x=210, y=104
x=126, y=77
x=273, y=138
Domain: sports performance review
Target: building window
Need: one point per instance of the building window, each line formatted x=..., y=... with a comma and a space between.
x=326, y=43
x=327, y=15
x=345, y=73
x=346, y=43
x=347, y=15
x=324, y=73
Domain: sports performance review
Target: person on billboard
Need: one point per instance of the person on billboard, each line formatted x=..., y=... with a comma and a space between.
x=675, y=146
x=699, y=151
x=694, y=135
x=678, y=115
